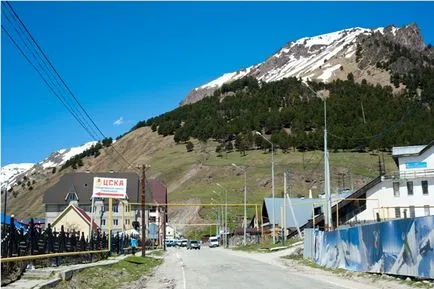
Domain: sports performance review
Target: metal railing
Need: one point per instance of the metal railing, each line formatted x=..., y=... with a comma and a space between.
x=35, y=241
x=407, y=174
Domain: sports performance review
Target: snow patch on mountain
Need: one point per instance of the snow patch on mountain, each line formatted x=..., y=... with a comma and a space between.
x=329, y=72
x=9, y=173
x=227, y=77
x=60, y=157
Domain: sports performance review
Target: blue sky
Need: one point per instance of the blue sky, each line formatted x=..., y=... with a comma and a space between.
x=136, y=60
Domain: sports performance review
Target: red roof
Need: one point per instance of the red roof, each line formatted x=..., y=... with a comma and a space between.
x=158, y=192
x=85, y=216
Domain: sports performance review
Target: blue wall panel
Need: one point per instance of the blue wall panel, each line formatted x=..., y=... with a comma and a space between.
x=401, y=247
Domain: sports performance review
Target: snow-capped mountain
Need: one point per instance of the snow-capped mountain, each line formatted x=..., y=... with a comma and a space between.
x=60, y=157
x=11, y=173
x=323, y=57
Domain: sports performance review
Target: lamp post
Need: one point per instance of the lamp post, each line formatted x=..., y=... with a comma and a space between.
x=272, y=183
x=245, y=203
x=328, y=219
x=226, y=215
x=217, y=210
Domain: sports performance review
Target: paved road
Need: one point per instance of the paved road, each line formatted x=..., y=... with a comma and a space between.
x=218, y=268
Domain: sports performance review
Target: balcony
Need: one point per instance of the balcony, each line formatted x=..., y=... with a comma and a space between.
x=413, y=174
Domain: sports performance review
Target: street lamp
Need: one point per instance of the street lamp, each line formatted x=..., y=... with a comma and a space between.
x=217, y=211
x=226, y=215
x=220, y=212
x=245, y=203
x=272, y=183
x=328, y=219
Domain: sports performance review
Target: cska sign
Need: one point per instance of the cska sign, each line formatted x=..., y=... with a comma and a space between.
x=109, y=188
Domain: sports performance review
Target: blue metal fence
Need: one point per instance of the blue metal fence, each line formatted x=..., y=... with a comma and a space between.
x=400, y=247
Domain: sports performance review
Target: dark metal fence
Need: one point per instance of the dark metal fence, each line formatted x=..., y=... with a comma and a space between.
x=44, y=247
x=36, y=241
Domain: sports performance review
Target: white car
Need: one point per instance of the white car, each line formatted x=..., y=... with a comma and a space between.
x=213, y=242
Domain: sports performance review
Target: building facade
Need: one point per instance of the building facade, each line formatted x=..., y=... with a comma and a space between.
x=73, y=219
x=409, y=192
x=76, y=189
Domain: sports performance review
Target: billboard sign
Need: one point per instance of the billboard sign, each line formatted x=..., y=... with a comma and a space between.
x=109, y=188
x=415, y=165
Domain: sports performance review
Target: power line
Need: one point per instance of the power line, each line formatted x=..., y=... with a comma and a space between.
x=44, y=73
x=86, y=117
x=51, y=65
x=49, y=86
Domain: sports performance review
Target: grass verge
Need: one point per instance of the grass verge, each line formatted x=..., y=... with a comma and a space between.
x=371, y=276
x=113, y=276
x=266, y=246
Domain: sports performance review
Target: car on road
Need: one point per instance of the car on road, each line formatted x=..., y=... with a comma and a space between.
x=184, y=243
x=213, y=242
x=170, y=243
x=193, y=244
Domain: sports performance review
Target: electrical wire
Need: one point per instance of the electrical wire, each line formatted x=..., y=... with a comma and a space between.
x=81, y=115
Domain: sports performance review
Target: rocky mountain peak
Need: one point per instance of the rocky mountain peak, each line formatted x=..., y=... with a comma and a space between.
x=331, y=56
x=408, y=36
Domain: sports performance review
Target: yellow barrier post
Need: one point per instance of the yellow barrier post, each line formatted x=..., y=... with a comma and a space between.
x=257, y=216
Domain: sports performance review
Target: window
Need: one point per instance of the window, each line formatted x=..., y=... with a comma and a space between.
x=103, y=222
x=115, y=222
x=425, y=187
x=127, y=222
x=410, y=188
x=412, y=212
x=427, y=210
x=398, y=212
x=115, y=208
x=396, y=189
x=71, y=197
x=152, y=219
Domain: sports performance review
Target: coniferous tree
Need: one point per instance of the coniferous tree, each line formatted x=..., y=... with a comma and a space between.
x=189, y=146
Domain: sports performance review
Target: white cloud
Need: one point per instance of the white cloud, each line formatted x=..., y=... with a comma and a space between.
x=119, y=121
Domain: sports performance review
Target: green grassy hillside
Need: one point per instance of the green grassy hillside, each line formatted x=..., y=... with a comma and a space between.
x=192, y=176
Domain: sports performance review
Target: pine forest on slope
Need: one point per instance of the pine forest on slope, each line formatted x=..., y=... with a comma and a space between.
x=361, y=115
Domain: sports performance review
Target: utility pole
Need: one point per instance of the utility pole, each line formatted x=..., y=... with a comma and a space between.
x=328, y=224
x=142, y=199
x=4, y=211
x=291, y=207
x=272, y=185
x=328, y=217
x=245, y=203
